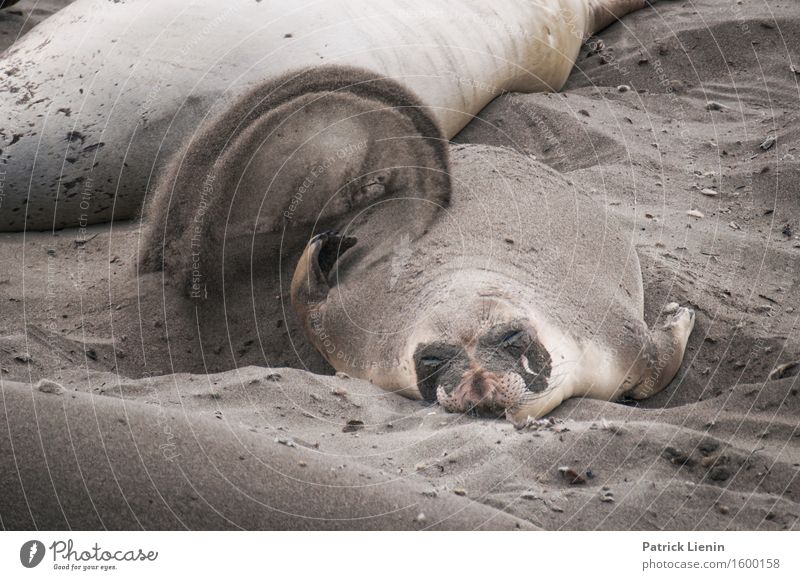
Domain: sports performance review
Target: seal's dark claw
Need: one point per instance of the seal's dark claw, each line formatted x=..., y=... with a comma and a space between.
x=331, y=246
x=321, y=237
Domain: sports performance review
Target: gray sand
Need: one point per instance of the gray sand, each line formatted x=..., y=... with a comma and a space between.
x=276, y=447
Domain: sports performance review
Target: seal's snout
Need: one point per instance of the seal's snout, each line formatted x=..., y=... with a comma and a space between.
x=486, y=370
x=483, y=393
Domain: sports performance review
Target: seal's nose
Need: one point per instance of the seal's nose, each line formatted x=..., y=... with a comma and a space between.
x=477, y=392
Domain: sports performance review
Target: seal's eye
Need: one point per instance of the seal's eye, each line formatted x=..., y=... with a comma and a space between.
x=431, y=361
x=438, y=364
x=511, y=337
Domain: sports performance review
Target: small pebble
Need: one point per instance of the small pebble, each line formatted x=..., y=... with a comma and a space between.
x=50, y=387
x=783, y=371
x=460, y=491
x=623, y=88
x=695, y=213
x=352, y=426
x=572, y=476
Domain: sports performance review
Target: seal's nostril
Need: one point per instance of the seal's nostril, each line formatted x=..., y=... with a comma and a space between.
x=479, y=389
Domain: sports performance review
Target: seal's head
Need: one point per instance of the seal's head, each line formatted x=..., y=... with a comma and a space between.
x=480, y=354
x=467, y=337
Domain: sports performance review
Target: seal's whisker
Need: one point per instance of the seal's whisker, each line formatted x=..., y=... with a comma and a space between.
x=564, y=362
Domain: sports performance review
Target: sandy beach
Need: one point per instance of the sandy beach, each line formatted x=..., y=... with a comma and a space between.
x=121, y=411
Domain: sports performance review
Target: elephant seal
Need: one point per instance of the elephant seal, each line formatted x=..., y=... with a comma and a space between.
x=523, y=293
x=99, y=97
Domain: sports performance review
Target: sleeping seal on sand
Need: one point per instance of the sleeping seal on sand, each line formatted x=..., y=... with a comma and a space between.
x=523, y=293
x=101, y=95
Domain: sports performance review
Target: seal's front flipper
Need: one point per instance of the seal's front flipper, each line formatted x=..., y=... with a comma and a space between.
x=310, y=281
x=669, y=344
x=310, y=287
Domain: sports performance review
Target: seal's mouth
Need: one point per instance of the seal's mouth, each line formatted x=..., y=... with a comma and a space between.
x=483, y=393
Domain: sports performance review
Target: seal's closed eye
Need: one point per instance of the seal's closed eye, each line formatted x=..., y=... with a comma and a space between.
x=437, y=363
x=511, y=337
x=432, y=361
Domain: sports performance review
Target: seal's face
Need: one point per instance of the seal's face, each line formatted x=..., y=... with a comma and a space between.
x=487, y=361
x=468, y=338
